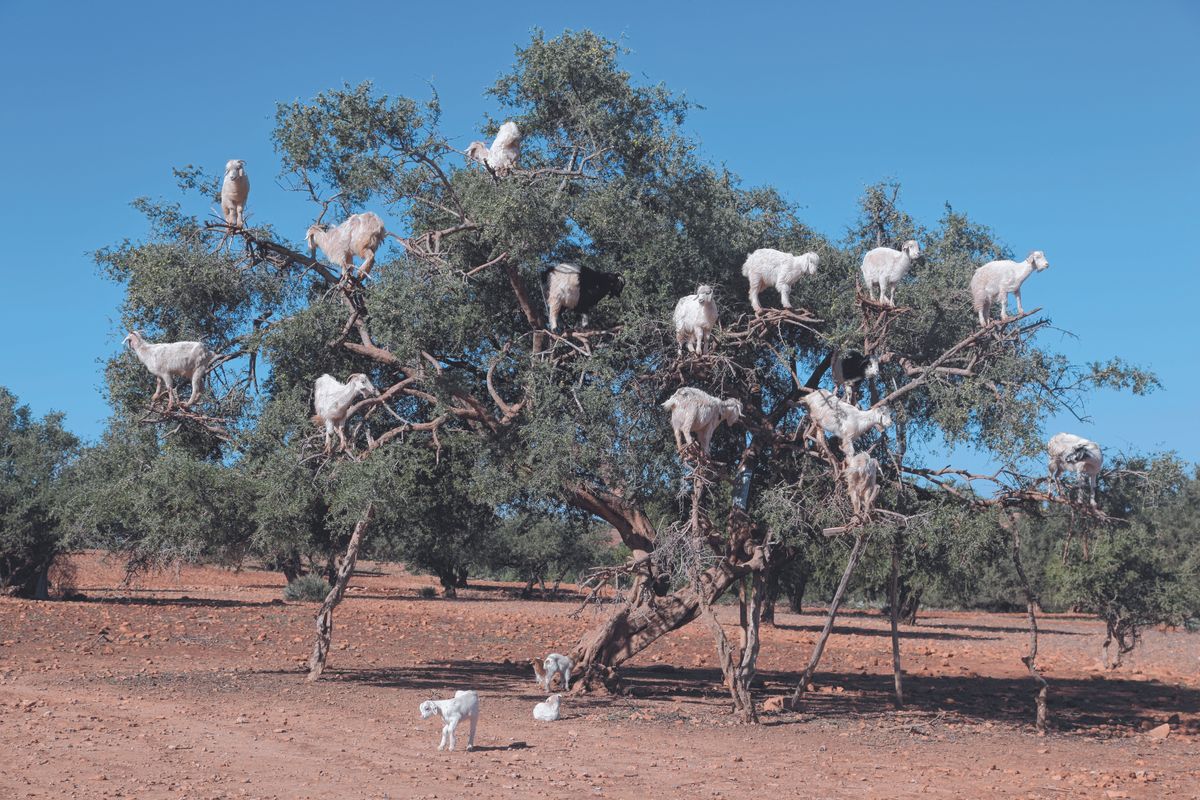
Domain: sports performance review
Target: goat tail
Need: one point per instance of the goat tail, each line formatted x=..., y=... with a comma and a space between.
x=669, y=404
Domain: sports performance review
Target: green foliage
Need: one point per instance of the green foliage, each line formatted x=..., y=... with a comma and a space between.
x=33, y=455
x=608, y=180
x=307, y=589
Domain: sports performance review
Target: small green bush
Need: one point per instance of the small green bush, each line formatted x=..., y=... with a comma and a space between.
x=307, y=588
x=427, y=593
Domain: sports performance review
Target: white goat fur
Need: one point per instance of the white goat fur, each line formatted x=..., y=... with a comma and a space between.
x=464, y=705
x=332, y=400
x=838, y=418
x=360, y=235
x=505, y=150
x=996, y=280
x=767, y=267
x=695, y=316
x=562, y=292
x=554, y=664
x=885, y=267
x=547, y=710
x=696, y=412
x=1075, y=454
x=165, y=361
x=862, y=483
x=235, y=190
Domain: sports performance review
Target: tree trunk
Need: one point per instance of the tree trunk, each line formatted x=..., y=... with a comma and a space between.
x=320, y=653
x=636, y=626
x=1031, y=605
x=819, y=648
x=894, y=602
x=796, y=593
x=290, y=567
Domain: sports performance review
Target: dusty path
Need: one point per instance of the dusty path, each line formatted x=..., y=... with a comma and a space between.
x=139, y=693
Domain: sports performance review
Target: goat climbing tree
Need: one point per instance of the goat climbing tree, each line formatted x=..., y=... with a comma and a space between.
x=481, y=411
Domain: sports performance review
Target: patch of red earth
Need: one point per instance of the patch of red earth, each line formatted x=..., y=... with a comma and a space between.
x=190, y=684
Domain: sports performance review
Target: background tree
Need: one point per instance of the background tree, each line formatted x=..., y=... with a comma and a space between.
x=33, y=456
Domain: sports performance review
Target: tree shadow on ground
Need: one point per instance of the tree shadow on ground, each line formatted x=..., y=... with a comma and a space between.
x=1077, y=704
x=1003, y=628
x=905, y=633
x=199, y=602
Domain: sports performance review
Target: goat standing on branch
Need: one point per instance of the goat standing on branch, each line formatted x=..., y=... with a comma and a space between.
x=838, y=418
x=767, y=267
x=333, y=400
x=996, y=280
x=695, y=316
x=189, y=360
x=1075, y=454
x=502, y=157
x=850, y=368
x=862, y=483
x=360, y=235
x=697, y=412
x=578, y=288
x=235, y=190
x=885, y=267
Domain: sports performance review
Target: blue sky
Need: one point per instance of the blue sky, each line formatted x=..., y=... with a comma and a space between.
x=1071, y=127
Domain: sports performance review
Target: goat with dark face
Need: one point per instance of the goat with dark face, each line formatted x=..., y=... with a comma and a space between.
x=579, y=288
x=851, y=367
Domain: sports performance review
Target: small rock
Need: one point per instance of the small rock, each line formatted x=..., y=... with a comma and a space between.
x=1160, y=732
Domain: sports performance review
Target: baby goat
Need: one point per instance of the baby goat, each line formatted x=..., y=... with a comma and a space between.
x=165, y=361
x=839, y=418
x=464, y=704
x=547, y=710
x=1075, y=454
x=694, y=411
x=554, y=664
x=695, y=316
x=579, y=288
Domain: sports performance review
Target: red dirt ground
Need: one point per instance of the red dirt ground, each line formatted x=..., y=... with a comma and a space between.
x=190, y=685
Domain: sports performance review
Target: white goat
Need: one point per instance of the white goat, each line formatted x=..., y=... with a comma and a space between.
x=547, y=710
x=885, y=267
x=332, y=400
x=464, y=704
x=838, y=418
x=1075, y=454
x=189, y=360
x=695, y=316
x=697, y=412
x=862, y=484
x=996, y=280
x=767, y=267
x=504, y=152
x=553, y=664
x=360, y=235
x=235, y=190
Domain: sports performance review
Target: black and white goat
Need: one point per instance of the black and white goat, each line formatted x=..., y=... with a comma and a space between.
x=578, y=288
x=851, y=367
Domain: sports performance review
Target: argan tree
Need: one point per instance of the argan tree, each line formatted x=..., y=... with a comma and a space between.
x=478, y=400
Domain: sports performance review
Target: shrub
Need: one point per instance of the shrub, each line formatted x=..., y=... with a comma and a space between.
x=307, y=588
x=427, y=593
